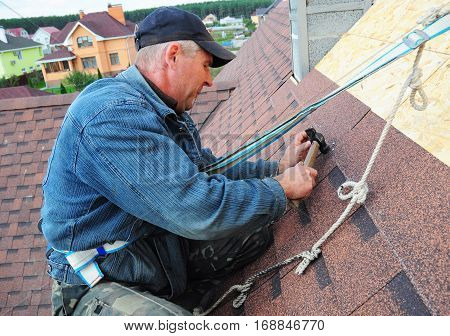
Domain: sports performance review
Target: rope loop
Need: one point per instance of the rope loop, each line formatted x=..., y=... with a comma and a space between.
x=415, y=83
x=358, y=190
x=240, y=299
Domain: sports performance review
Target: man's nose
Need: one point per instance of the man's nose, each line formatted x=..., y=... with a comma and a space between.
x=208, y=81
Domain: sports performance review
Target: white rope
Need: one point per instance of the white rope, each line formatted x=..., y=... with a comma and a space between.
x=358, y=190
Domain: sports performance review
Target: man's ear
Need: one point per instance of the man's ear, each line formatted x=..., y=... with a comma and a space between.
x=172, y=53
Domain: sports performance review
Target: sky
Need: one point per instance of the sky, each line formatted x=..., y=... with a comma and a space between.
x=30, y=8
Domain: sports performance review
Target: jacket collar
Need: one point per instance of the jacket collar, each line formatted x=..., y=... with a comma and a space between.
x=138, y=82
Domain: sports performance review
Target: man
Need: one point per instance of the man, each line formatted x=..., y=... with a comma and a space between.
x=133, y=225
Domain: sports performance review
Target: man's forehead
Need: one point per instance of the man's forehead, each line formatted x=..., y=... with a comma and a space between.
x=206, y=56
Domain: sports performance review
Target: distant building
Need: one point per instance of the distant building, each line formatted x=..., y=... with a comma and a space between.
x=102, y=40
x=231, y=21
x=18, y=55
x=209, y=20
x=258, y=15
x=17, y=32
x=43, y=36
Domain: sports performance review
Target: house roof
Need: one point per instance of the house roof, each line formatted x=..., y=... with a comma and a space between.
x=59, y=37
x=50, y=29
x=20, y=92
x=15, y=31
x=260, y=11
x=209, y=99
x=28, y=127
x=60, y=54
x=17, y=43
x=100, y=23
x=388, y=258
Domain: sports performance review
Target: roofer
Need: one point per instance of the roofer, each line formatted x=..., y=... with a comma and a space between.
x=133, y=225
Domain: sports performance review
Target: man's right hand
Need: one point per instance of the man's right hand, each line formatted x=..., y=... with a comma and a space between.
x=297, y=181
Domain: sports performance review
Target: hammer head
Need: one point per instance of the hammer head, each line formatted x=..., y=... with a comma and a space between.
x=319, y=138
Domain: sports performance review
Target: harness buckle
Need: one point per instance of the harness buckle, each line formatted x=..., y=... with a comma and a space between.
x=415, y=38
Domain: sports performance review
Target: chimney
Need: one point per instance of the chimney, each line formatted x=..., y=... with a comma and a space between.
x=317, y=26
x=3, y=35
x=116, y=12
x=82, y=15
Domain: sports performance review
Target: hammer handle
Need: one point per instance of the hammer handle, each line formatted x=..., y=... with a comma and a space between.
x=309, y=162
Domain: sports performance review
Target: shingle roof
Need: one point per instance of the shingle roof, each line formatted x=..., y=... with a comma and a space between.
x=17, y=43
x=20, y=92
x=15, y=31
x=59, y=37
x=388, y=257
x=28, y=128
x=58, y=54
x=209, y=99
x=100, y=23
x=50, y=29
x=104, y=25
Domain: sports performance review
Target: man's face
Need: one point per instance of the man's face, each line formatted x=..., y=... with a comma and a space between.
x=192, y=74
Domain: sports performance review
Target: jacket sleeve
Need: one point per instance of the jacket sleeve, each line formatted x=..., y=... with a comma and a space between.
x=246, y=169
x=126, y=155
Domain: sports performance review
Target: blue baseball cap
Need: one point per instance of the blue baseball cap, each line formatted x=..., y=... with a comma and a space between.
x=167, y=24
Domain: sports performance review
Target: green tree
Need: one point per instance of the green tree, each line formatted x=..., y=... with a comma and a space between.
x=80, y=79
x=62, y=89
x=99, y=74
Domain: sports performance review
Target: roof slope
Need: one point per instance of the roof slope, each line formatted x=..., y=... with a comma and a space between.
x=20, y=92
x=17, y=43
x=28, y=128
x=59, y=54
x=100, y=23
x=389, y=256
x=50, y=29
x=380, y=28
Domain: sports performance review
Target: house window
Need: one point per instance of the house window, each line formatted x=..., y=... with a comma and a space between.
x=89, y=62
x=65, y=65
x=51, y=67
x=84, y=41
x=18, y=54
x=114, y=58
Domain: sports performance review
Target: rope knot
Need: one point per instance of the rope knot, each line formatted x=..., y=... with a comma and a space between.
x=358, y=191
x=415, y=83
x=240, y=299
x=308, y=256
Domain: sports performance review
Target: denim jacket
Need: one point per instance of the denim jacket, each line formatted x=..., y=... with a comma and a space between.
x=125, y=167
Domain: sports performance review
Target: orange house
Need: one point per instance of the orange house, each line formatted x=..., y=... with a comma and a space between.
x=103, y=41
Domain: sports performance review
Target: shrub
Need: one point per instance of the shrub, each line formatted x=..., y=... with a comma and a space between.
x=80, y=79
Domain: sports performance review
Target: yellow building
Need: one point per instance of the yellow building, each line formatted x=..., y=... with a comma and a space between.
x=98, y=41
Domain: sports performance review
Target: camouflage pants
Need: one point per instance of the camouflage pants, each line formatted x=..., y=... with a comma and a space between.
x=208, y=264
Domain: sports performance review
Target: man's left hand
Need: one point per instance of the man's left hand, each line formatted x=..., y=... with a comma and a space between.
x=295, y=152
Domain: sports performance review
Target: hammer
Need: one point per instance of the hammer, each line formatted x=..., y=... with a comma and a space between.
x=317, y=144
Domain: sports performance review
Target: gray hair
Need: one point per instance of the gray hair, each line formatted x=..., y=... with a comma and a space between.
x=150, y=57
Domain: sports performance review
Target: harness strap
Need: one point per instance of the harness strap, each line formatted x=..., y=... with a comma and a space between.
x=411, y=41
x=84, y=264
